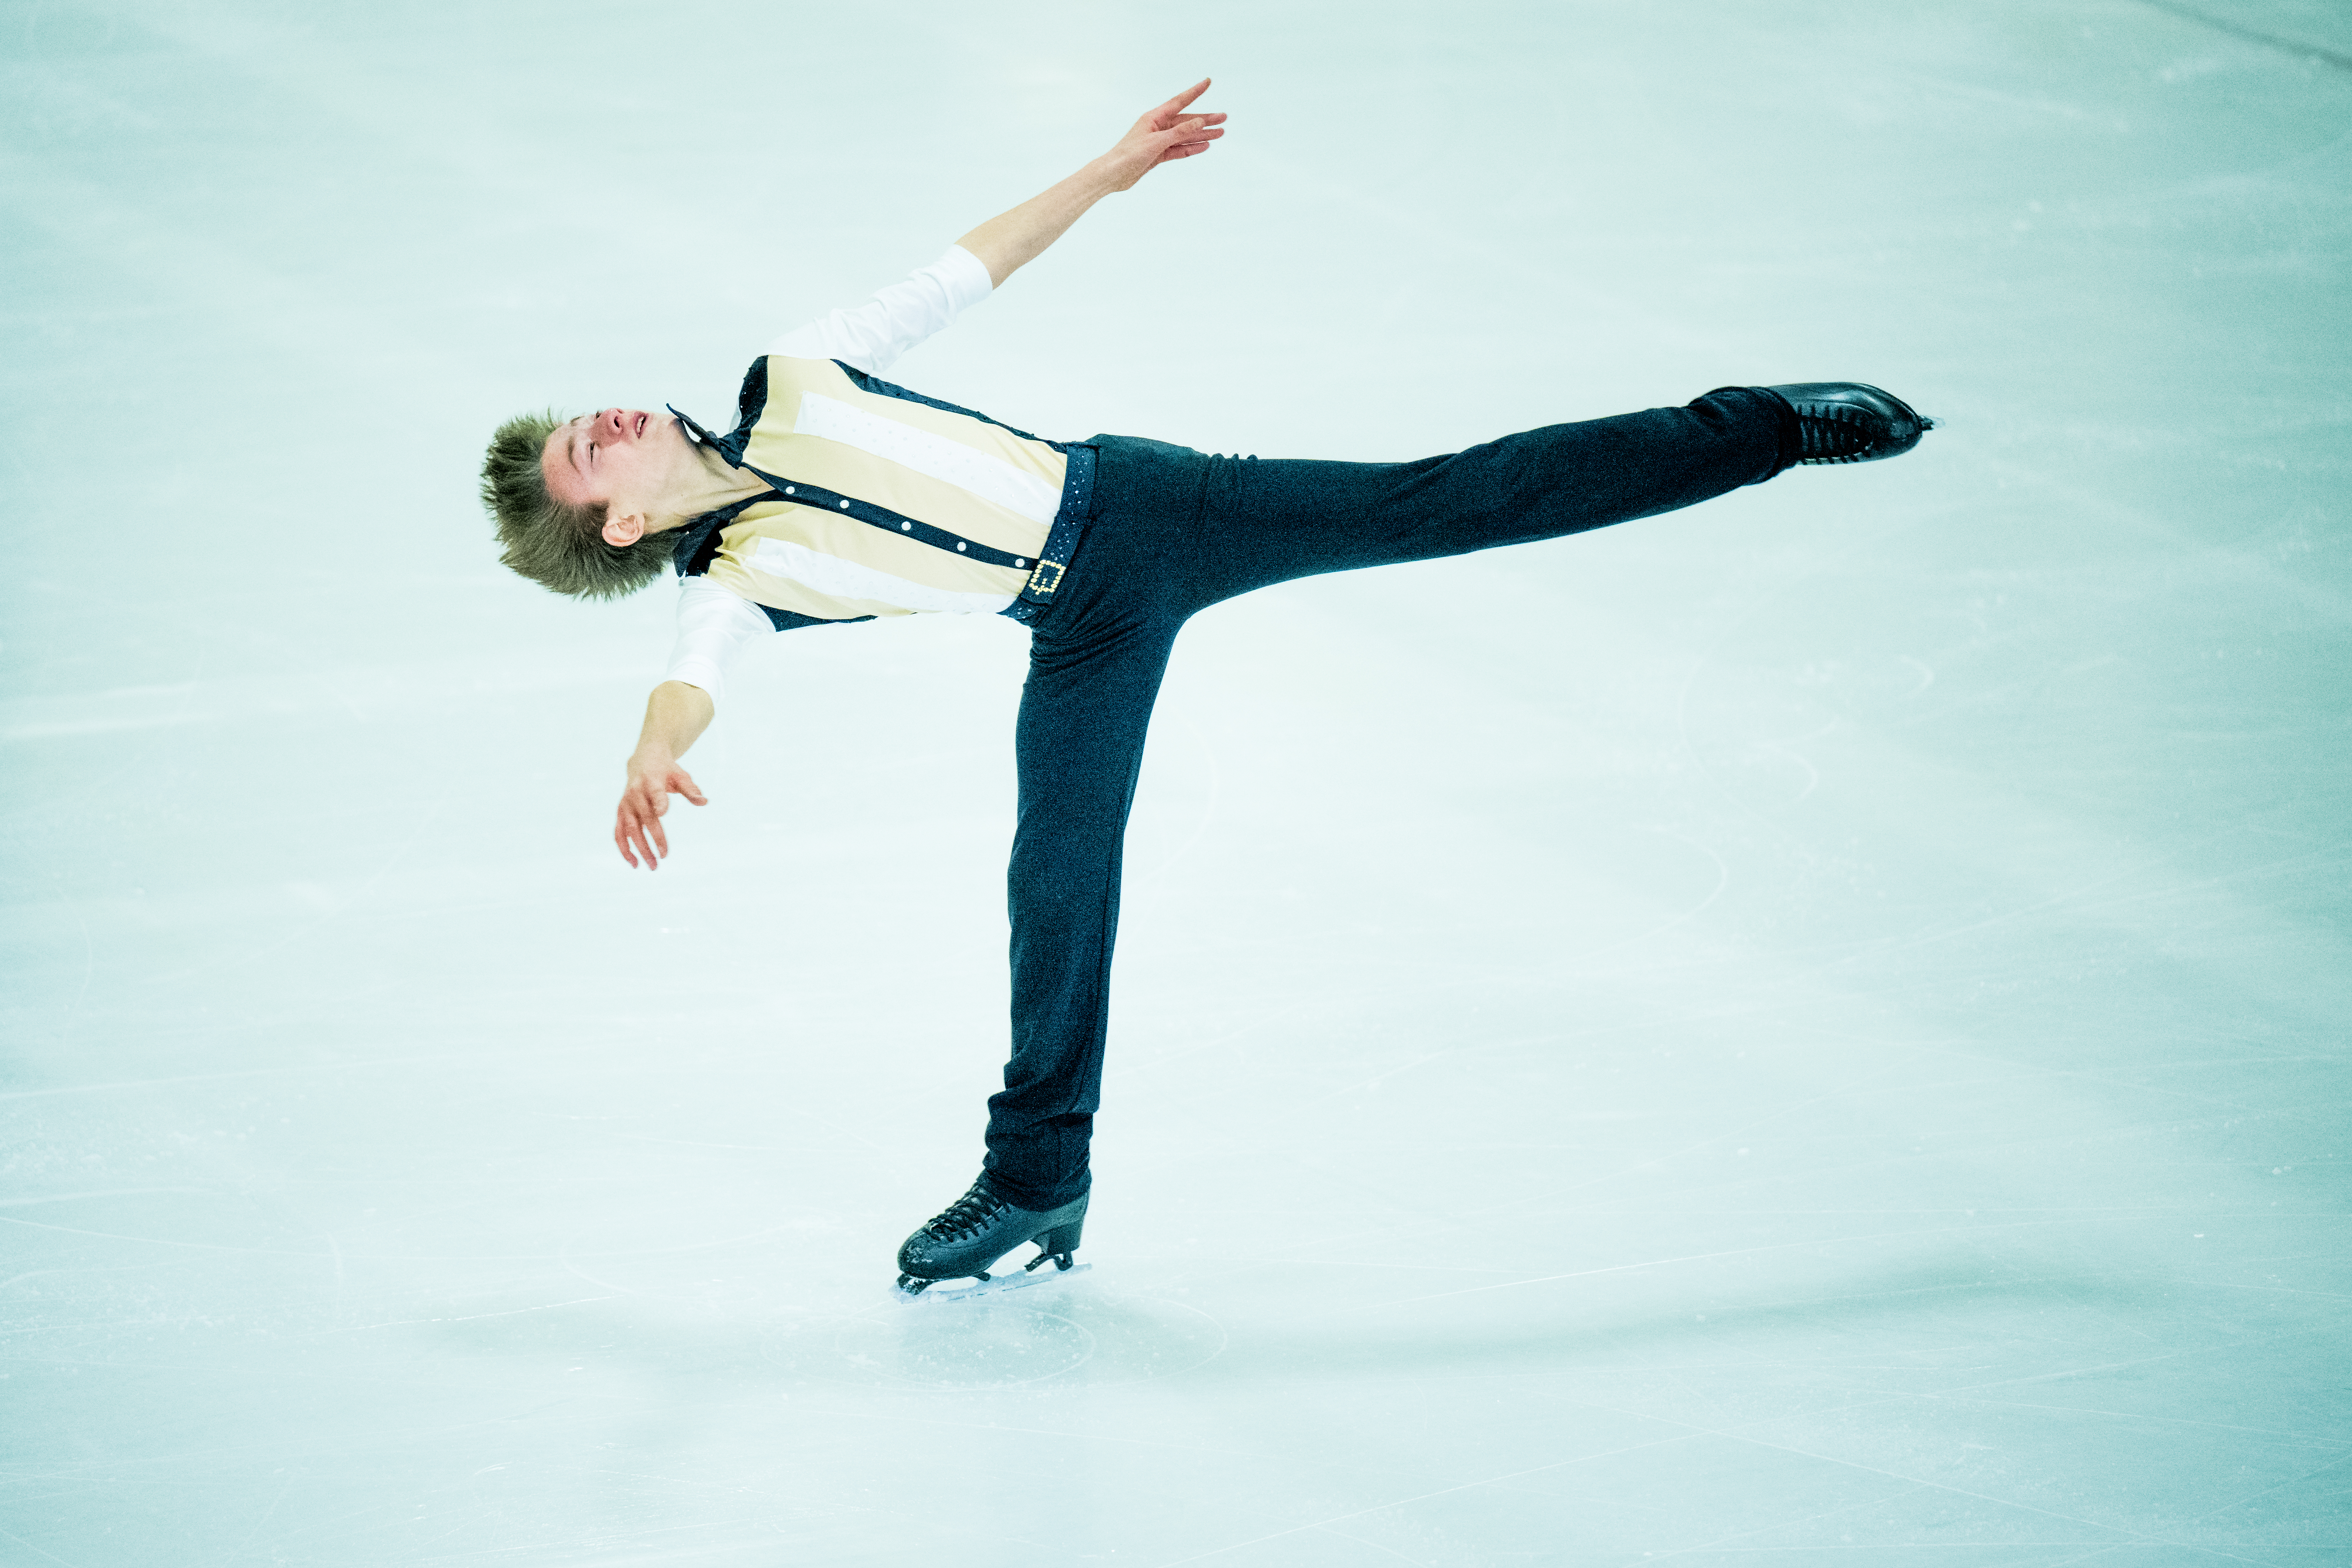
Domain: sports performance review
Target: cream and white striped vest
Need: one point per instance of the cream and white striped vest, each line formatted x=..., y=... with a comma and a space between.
x=884, y=502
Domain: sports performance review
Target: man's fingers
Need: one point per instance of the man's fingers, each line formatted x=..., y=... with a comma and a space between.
x=637, y=827
x=1183, y=98
x=1184, y=149
x=632, y=837
x=1189, y=135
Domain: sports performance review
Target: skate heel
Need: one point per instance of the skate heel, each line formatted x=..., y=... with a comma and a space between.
x=1057, y=1244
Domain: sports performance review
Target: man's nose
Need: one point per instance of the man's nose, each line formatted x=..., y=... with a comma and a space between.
x=615, y=420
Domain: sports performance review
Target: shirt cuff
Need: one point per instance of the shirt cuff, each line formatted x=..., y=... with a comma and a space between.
x=695, y=670
x=966, y=275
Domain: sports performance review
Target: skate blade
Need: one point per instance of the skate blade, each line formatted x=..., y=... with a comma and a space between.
x=994, y=1286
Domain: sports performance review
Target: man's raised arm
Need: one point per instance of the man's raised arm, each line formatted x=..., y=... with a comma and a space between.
x=1006, y=243
x=871, y=336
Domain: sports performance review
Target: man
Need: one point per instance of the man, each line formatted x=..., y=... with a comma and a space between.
x=838, y=497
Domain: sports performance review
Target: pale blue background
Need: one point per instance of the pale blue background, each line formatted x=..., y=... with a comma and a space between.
x=1809, y=1030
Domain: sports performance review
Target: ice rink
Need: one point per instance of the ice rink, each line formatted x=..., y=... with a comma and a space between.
x=1809, y=1030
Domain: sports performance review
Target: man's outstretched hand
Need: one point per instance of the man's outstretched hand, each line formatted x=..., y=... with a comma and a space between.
x=1163, y=135
x=1010, y=240
x=638, y=828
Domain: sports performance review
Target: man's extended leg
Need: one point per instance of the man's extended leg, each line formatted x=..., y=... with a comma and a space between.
x=1268, y=520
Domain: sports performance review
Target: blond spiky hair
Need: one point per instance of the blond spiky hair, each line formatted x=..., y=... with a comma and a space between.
x=557, y=546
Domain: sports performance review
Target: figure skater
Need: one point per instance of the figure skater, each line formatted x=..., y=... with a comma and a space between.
x=838, y=497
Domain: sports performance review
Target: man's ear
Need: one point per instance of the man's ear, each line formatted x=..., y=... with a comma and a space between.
x=622, y=532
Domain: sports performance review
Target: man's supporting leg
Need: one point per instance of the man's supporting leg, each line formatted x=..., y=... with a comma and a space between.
x=1078, y=747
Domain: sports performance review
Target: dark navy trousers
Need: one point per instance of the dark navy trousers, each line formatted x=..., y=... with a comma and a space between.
x=1172, y=531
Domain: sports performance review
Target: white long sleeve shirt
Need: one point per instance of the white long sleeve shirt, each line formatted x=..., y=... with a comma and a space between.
x=714, y=624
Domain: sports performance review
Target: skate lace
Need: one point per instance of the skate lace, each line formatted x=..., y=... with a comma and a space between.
x=967, y=1214
x=1831, y=431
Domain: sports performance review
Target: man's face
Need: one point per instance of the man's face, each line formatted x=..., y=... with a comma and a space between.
x=626, y=457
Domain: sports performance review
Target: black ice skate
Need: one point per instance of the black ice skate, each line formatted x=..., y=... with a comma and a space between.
x=1847, y=422
x=970, y=1234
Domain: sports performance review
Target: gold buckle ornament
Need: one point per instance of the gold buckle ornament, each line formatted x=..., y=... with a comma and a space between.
x=1042, y=585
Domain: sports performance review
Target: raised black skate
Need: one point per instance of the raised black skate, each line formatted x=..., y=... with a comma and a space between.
x=1847, y=422
x=964, y=1240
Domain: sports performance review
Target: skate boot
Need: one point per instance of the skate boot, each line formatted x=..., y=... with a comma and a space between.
x=1847, y=422
x=980, y=1227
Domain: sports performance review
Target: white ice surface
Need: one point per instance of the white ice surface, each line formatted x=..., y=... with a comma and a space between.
x=1809, y=1030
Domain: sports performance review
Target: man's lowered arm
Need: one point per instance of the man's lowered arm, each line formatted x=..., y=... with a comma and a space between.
x=675, y=715
x=678, y=711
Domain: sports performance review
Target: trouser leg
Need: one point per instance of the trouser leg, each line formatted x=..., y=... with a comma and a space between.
x=1269, y=520
x=1078, y=748
x=1177, y=531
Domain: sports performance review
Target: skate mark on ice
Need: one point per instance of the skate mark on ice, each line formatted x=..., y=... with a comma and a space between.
x=1365, y=1085
x=614, y=1286
x=2253, y=36
x=823, y=1124
x=1737, y=1434
x=1568, y=962
x=130, y=1083
x=1837, y=1092
x=467, y=1318
x=1208, y=808
x=1762, y=1249
x=896, y=1418
x=88, y=968
x=310, y=928
x=1383, y=1551
x=1779, y=1526
x=997, y=1340
x=492, y=1256
x=1320, y=1524
x=284, y=1487
x=1786, y=749
x=2236, y=1504
x=1969, y=1395
x=1238, y=1032
x=1796, y=576
x=28, y=1546
x=2077, y=900
x=946, y=1350
x=115, y=1193
x=2027, y=1070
